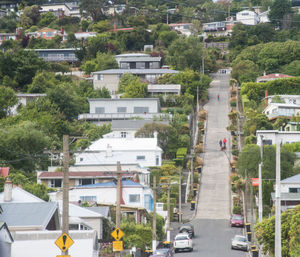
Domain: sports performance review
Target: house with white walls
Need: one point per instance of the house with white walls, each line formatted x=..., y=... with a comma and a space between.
x=288, y=99
x=276, y=110
x=24, y=99
x=289, y=192
x=128, y=128
x=6, y=239
x=91, y=174
x=284, y=137
x=133, y=194
x=142, y=151
x=182, y=28
x=247, y=17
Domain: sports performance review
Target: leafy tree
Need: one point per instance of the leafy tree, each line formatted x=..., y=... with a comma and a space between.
x=167, y=37
x=102, y=26
x=185, y=53
x=245, y=71
x=279, y=11
x=30, y=16
x=41, y=82
x=135, y=89
x=8, y=99
x=292, y=68
x=46, y=19
x=103, y=61
x=256, y=121
x=94, y=9
x=248, y=161
x=39, y=190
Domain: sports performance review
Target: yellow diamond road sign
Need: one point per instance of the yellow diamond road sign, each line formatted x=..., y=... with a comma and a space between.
x=118, y=246
x=64, y=242
x=117, y=234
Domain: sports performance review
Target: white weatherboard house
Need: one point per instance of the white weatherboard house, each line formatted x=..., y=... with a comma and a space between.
x=142, y=151
x=132, y=194
x=284, y=137
x=288, y=99
x=247, y=17
x=275, y=110
x=107, y=109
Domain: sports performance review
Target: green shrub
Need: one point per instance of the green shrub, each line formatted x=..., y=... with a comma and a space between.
x=237, y=209
x=235, y=152
x=233, y=103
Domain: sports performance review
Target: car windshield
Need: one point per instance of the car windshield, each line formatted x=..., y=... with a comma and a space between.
x=181, y=238
x=161, y=251
x=237, y=217
x=240, y=238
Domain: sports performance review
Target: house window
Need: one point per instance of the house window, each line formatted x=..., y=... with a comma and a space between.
x=100, y=77
x=55, y=183
x=122, y=109
x=267, y=142
x=294, y=189
x=81, y=159
x=73, y=226
x=157, y=160
x=141, y=110
x=88, y=198
x=49, y=34
x=141, y=157
x=86, y=181
x=134, y=198
x=123, y=134
x=99, y=110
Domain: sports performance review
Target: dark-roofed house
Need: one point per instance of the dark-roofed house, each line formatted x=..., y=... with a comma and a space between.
x=57, y=55
x=30, y=216
x=110, y=78
x=138, y=61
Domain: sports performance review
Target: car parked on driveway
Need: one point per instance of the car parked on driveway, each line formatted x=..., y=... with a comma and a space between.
x=240, y=242
x=183, y=242
x=237, y=220
x=187, y=228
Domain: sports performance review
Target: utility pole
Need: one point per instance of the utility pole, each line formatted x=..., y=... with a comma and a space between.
x=154, y=216
x=197, y=107
x=192, y=171
x=180, y=214
x=169, y=214
x=65, y=203
x=278, y=201
x=260, y=204
x=118, y=203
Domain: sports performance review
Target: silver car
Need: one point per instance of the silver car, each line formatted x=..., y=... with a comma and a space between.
x=240, y=242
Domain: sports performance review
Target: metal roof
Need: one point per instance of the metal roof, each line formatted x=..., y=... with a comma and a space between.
x=32, y=215
x=123, y=99
x=136, y=71
x=132, y=124
x=103, y=210
x=20, y=195
x=293, y=179
x=140, y=59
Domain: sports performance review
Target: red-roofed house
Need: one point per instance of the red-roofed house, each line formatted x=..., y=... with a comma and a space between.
x=272, y=76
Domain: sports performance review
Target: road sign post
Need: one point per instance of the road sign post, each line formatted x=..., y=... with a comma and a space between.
x=64, y=242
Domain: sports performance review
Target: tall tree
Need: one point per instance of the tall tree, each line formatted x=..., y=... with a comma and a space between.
x=279, y=11
x=7, y=100
x=94, y=9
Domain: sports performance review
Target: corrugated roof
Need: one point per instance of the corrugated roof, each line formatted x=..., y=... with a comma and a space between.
x=133, y=124
x=293, y=179
x=137, y=71
x=79, y=212
x=125, y=144
x=20, y=195
x=33, y=215
x=125, y=183
x=79, y=174
x=140, y=59
x=103, y=210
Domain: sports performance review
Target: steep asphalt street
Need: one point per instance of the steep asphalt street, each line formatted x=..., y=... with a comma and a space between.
x=212, y=229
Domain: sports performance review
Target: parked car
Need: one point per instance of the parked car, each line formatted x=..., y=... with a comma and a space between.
x=187, y=228
x=183, y=242
x=240, y=242
x=166, y=252
x=237, y=220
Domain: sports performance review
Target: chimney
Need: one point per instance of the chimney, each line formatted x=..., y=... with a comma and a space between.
x=115, y=26
x=4, y=171
x=8, y=190
x=109, y=151
x=266, y=98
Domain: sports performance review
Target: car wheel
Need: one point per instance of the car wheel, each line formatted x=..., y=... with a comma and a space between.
x=191, y=249
x=176, y=251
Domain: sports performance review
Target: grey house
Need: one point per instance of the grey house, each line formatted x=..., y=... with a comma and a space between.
x=57, y=55
x=110, y=78
x=5, y=238
x=107, y=109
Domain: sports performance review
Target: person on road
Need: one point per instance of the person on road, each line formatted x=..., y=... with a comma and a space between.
x=218, y=97
x=220, y=143
x=224, y=142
